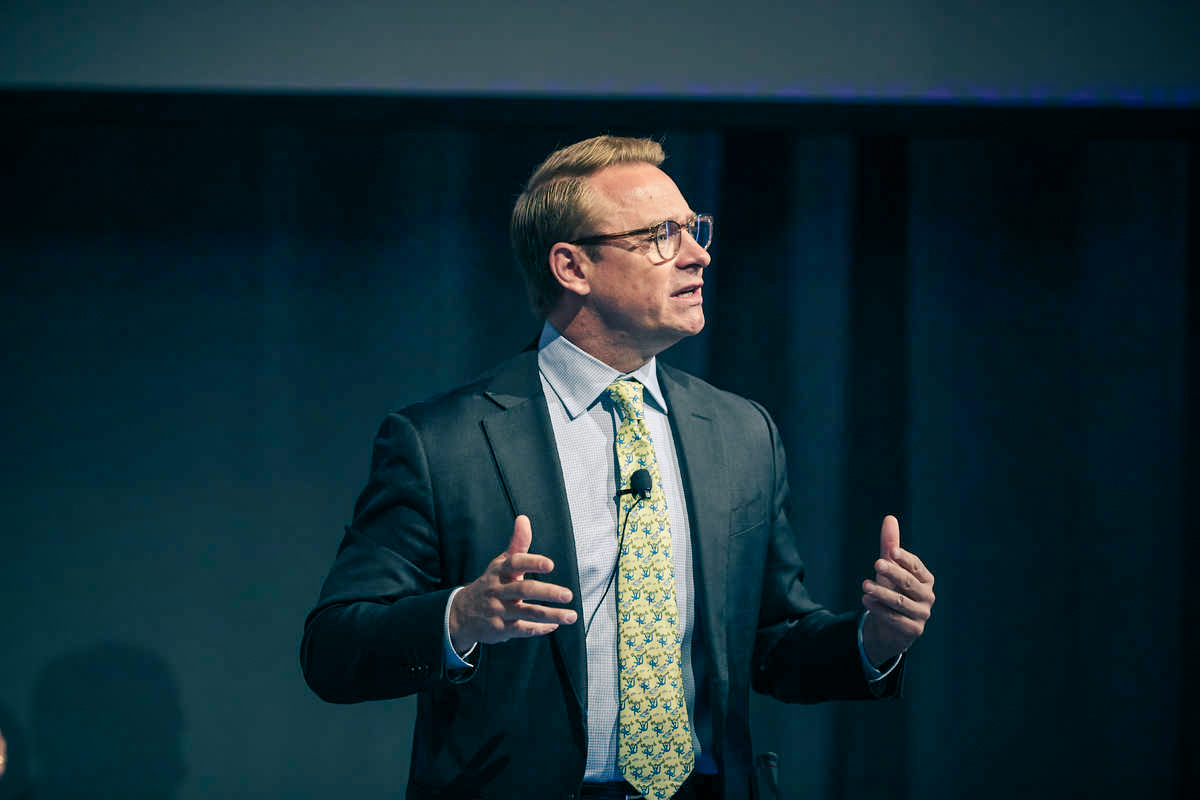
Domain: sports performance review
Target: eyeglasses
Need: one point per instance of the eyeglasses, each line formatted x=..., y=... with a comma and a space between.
x=666, y=235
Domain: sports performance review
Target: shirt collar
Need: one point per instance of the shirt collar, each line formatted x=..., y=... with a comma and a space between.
x=579, y=379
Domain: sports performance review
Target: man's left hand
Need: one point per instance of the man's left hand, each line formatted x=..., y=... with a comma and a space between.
x=900, y=598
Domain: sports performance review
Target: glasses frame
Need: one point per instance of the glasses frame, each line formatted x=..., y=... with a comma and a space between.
x=692, y=226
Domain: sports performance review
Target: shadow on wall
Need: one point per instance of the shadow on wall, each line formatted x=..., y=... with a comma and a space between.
x=14, y=757
x=107, y=722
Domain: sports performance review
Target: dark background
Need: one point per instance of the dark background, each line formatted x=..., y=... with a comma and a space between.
x=980, y=317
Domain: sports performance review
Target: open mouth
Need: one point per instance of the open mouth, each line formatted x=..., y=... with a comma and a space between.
x=691, y=291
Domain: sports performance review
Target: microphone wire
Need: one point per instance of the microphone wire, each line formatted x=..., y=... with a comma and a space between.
x=613, y=574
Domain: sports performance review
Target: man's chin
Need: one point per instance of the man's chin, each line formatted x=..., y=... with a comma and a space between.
x=685, y=331
x=696, y=325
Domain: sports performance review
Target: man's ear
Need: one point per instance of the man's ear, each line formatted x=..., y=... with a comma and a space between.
x=571, y=267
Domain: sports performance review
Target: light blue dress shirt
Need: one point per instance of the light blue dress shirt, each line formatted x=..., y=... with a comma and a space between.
x=585, y=422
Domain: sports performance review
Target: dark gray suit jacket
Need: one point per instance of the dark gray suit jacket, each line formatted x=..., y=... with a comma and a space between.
x=448, y=476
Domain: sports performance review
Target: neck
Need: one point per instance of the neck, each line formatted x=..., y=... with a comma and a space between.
x=616, y=350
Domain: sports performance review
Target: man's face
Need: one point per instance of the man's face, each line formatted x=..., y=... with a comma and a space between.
x=643, y=302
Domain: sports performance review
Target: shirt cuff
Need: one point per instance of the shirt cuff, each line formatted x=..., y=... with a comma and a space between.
x=873, y=675
x=452, y=660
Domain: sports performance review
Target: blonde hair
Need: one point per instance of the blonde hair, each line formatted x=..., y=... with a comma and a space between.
x=557, y=204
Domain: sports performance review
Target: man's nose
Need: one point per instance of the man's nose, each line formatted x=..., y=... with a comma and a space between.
x=691, y=254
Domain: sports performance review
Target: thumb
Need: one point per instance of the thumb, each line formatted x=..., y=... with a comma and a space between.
x=889, y=536
x=522, y=536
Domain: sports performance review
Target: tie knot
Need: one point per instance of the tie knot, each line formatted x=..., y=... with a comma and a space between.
x=627, y=395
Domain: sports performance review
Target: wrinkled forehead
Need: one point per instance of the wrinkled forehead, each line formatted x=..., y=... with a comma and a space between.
x=635, y=195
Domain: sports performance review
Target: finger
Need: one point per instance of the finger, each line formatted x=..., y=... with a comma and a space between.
x=518, y=564
x=906, y=626
x=883, y=577
x=532, y=612
x=529, y=629
x=895, y=576
x=889, y=536
x=522, y=536
x=535, y=591
x=913, y=564
x=904, y=585
x=912, y=608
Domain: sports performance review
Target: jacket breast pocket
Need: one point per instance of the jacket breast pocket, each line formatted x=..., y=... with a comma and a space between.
x=748, y=515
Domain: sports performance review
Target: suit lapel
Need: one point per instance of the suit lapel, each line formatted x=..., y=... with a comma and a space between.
x=522, y=441
x=701, y=457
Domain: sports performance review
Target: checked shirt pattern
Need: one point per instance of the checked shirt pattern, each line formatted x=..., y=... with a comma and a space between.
x=654, y=739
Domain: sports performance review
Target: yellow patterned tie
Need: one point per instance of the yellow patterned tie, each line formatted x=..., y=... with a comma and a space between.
x=654, y=740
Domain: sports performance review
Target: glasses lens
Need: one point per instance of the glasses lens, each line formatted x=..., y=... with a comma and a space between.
x=666, y=239
x=701, y=230
x=668, y=233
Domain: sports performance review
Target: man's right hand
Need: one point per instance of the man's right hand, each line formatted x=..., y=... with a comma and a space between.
x=496, y=606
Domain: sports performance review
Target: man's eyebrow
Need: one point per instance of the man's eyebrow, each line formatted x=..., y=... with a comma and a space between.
x=691, y=216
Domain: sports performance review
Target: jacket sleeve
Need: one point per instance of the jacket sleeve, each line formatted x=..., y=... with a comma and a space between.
x=803, y=653
x=377, y=629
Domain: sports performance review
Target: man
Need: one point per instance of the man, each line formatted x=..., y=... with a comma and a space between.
x=583, y=561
